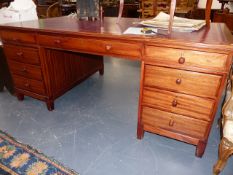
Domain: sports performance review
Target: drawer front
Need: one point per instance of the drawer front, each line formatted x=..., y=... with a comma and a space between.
x=106, y=47
x=22, y=54
x=173, y=122
x=177, y=57
x=29, y=84
x=196, y=107
x=26, y=70
x=20, y=37
x=193, y=83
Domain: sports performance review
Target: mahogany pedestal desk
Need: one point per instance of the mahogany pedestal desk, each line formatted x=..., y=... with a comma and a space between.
x=183, y=75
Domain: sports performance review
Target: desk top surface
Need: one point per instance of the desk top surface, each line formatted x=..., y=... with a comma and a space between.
x=217, y=36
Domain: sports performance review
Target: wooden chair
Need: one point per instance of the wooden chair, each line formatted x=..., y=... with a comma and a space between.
x=148, y=8
x=226, y=144
x=172, y=12
x=53, y=10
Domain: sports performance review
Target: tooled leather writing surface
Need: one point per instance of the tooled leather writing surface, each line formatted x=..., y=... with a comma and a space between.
x=217, y=34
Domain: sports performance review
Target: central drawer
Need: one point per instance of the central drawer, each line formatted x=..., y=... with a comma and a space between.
x=196, y=107
x=188, y=82
x=172, y=122
x=105, y=47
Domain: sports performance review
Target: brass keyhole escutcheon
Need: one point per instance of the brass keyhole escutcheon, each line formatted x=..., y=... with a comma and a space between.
x=171, y=122
x=174, y=103
x=27, y=85
x=19, y=54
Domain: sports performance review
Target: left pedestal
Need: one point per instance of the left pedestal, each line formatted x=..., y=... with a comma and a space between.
x=42, y=73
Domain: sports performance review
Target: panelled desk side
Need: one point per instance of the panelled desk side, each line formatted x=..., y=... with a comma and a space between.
x=182, y=75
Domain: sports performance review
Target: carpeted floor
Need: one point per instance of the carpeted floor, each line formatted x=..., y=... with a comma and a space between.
x=20, y=159
x=2, y=172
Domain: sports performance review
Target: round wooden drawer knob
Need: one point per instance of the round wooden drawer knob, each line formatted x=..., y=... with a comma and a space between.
x=57, y=41
x=174, y=103
x=178, y=81
x=108, y=47
x=27, y=85
x=181, y=60
x=24, y=70
x=16, y=39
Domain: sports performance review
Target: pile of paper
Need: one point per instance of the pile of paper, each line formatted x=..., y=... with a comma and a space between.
x=18, y=10
x=179, y=24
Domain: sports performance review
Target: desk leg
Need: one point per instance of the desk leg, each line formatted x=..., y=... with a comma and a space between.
x=1, y=86
x=50, y=105
x=101, y=71
x=140, y=130
x=101, y=59
x=200, y=149
x=1, y=79
x=19, y=96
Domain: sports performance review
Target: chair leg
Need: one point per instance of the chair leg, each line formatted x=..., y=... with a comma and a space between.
x=200, y=148
x=1, y=87
x=50, y=105
x=225, y=151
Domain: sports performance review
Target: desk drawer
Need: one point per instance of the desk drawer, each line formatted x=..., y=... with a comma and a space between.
x=187, y=105
x=172, y=122
x=22, y=54
x=29, y=84
x=19, y=37
x=95, y=46
x=184, y=58
x=26, y=70
x=188, y=82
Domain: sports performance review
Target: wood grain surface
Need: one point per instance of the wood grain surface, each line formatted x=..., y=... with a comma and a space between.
x=183, y=75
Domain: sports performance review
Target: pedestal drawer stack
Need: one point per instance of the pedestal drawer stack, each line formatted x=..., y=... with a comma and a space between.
x=25, y=67
x=179, y=91
x=24, y=63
